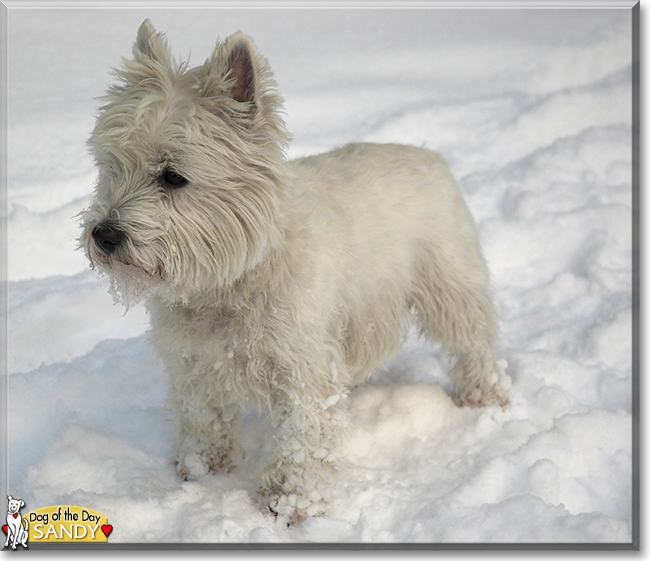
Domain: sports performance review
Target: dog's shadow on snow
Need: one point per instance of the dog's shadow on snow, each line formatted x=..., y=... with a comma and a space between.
x=416, y=362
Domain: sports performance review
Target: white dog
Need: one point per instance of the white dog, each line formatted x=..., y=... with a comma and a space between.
x=16, y=531
x=274, y=282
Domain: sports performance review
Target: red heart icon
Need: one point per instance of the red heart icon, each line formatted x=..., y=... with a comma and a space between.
x=16, y=515
x=4, y=528
x=107, y=529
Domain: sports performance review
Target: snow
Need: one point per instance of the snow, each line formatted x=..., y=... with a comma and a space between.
x=532, y=109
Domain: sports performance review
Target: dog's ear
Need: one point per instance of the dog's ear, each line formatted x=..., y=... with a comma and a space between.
x=234, y=71
x=22, y=503
x=236, y=84
x=10, y=498
x=240, y=72
x=152, y=59
x=149, y=44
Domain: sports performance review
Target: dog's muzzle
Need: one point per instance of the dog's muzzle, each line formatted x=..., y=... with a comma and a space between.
x=108, y=237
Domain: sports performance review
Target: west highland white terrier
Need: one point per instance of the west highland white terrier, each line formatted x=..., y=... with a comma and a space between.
x=275, y=282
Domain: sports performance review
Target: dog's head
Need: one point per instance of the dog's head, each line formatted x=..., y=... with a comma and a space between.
x=14, y=505
x=191, y=170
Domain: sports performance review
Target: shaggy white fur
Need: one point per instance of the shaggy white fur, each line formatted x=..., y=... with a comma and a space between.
x=278, y=283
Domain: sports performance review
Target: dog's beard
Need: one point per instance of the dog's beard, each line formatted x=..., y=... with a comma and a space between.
x=131, y=279
x=130, y=284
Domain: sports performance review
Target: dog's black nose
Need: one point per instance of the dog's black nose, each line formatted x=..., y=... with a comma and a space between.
x=108, y=237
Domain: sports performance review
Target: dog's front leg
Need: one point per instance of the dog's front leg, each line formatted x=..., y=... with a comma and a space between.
x=22, y=539
x=310, y=416
x=14, y=534
x=208, y=444
x=206, y=433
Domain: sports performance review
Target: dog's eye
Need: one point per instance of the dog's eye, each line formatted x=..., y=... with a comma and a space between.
x=173, y=179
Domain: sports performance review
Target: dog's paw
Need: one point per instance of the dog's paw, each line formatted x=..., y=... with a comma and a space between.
x=194, y=465
x=294, y=492
x=191, y=466
x=495, y=390
x=483, y=397
x=291, y=509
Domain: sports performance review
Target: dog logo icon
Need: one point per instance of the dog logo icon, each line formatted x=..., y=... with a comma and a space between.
x=16, y=527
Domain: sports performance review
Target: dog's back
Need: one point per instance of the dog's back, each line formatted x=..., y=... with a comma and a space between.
x=394, y=228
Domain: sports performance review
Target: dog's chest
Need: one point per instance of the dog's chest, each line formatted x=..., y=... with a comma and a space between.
x=218, y=343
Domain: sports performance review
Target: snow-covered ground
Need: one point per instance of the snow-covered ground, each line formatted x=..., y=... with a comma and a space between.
x=532, y=109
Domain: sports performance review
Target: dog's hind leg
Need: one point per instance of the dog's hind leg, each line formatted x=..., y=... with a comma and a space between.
x=452, y=304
